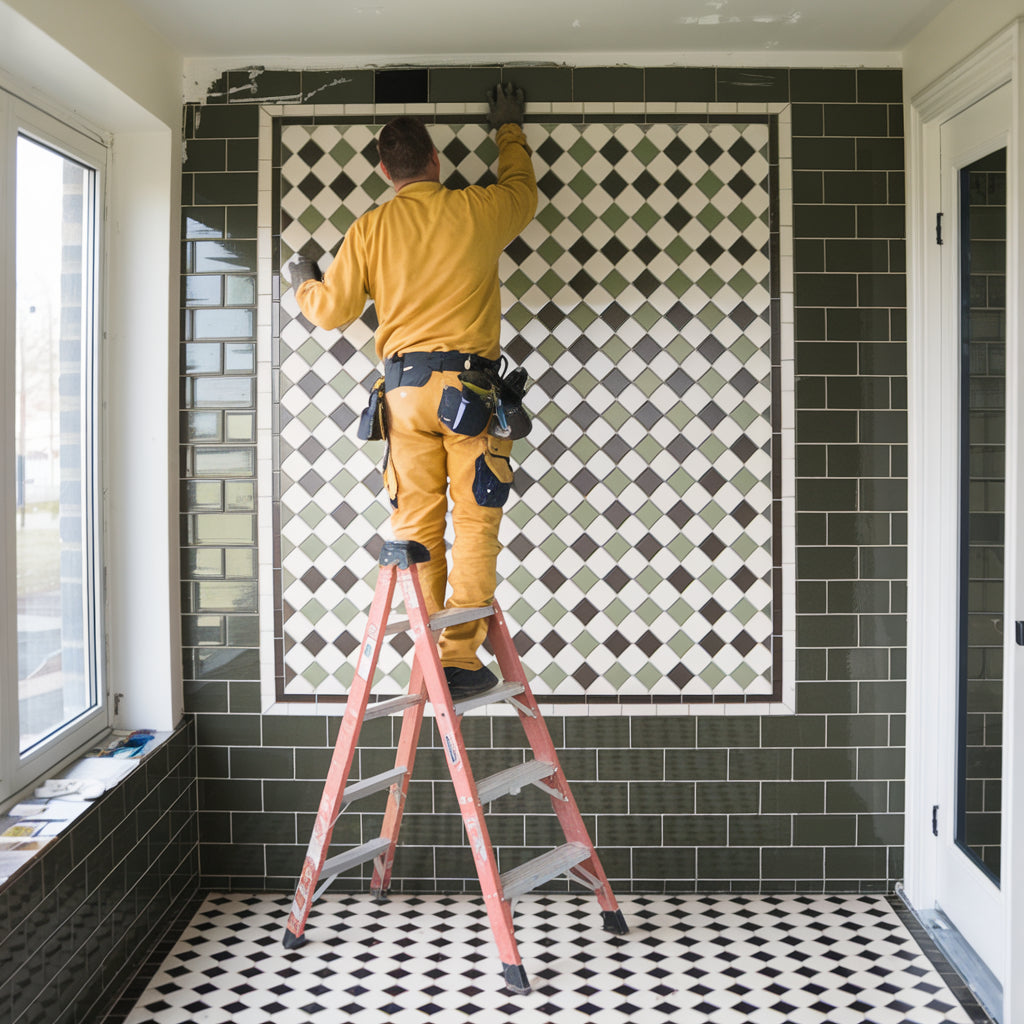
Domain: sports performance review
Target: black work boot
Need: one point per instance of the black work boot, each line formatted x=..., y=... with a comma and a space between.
x=469, y=682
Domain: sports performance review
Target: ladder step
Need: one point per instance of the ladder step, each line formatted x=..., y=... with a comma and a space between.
x=374, y=784
x=443, y=619
x=356, y=855
x=391, y=707
x=533, y=873
x=500, y=692
x=511, y=780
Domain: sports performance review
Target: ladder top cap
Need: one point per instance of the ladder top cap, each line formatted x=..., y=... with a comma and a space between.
x=403, y=553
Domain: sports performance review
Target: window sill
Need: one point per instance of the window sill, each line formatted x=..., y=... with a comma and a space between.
x=30, y=824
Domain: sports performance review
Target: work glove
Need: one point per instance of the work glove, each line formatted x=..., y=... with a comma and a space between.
x=302, y=268
x=507, y=104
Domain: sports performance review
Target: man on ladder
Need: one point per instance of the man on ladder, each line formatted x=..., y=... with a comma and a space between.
x=428, y=259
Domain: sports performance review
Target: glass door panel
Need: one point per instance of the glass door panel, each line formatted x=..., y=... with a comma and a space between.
x=983, y=486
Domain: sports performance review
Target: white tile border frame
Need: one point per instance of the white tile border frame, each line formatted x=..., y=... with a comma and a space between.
x=264, y=411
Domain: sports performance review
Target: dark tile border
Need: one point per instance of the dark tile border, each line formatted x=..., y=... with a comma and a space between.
x=947, y=971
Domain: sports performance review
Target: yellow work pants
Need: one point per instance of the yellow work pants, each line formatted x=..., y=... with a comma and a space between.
x=426, y=460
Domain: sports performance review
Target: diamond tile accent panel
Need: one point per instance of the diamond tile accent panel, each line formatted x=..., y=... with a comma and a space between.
x=771, y=960
x=638, y=546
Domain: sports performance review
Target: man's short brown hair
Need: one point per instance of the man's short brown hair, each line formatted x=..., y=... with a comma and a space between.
x=405, y=148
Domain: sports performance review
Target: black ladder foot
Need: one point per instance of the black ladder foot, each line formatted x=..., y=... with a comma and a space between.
x=515, y=979
x=614, y=922
x=293, y=941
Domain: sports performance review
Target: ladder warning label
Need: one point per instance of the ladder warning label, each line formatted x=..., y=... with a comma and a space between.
x=363, y=668
x=453, y=754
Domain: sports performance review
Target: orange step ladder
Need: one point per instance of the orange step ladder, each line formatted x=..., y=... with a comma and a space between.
x=576, y=858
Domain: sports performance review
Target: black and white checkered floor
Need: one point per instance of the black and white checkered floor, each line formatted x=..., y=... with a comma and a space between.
x=686, y=959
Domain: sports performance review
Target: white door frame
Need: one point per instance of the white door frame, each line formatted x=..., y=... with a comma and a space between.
x=932, y=540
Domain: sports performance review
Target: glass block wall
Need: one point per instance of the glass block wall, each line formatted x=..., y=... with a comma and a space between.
x=804, y=801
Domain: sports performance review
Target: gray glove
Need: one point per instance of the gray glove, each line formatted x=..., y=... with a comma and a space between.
x=507, y=104
x=302, y=268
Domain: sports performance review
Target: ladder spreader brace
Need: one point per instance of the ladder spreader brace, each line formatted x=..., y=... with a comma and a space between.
x=575, y=858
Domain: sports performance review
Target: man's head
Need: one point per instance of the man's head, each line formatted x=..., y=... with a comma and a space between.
x=406, y=150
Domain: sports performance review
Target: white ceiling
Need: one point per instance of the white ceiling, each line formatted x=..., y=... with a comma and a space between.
x=425, y=31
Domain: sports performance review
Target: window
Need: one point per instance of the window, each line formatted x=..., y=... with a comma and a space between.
x=52, y=694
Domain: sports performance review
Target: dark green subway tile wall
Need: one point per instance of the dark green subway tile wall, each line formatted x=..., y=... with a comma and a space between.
x=804, y=802
x=79, y=922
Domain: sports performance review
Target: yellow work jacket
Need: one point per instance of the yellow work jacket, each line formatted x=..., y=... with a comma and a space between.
x=428, y=258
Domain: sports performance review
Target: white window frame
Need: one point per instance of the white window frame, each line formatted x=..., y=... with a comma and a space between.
x=17, y=772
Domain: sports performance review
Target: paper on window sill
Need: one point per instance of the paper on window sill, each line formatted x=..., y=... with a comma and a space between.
x=108, y=770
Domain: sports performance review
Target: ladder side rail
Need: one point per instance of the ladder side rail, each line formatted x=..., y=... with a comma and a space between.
x=341, y=761
x=564, y=804
x=408, y=744
x=499, y=910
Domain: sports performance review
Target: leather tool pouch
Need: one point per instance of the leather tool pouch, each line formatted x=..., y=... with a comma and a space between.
x=493, y=477
x=373, y=421
x=512, y=421
x=463, y=411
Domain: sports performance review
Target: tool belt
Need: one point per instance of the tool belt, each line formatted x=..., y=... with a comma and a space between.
x=489, y=399
x=413, y=369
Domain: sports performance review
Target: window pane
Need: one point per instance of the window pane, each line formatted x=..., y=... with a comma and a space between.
x=53, y=339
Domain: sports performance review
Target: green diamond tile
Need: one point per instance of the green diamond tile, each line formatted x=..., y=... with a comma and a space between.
x=614, y=217
x=645, y=151
x=312, y=516
x=553, y=546
x=618, y=547
x=710, y=316
x=550, y=283
x=550, y=217
x=581, y=151
x=553, y=675
x=649, y=514
x=552, y=481
x=311, y=219
x=617, y=675
x=712, y=449
x=584, y=513
x=616, y=349
x=646, y=217
x=583, y=316
x=709, y=184
x=519, y=284
x=742, y=217
x=581, y=218
x=314, y=674
x=519, y=316
x=744, y=676
x=616, y=415
x=313, y=610
x=712, y=675
x=649, y=675
x=710, y=217
x=677, y=250
x=342, y=219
